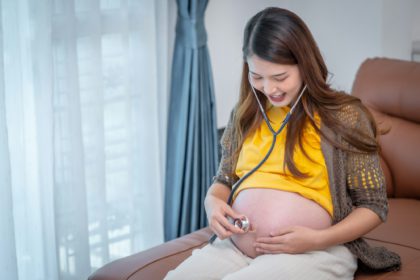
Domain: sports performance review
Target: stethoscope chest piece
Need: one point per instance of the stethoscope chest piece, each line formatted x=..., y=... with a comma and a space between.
x=242, y=223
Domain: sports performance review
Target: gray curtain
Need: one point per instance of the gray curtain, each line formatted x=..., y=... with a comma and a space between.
x=192, y=134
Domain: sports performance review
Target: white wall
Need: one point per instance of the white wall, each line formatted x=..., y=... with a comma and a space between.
x=397, y=28
x=347, y=33
x=416, y=21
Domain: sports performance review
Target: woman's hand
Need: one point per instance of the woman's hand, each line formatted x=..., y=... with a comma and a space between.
x=297, y=239
x=293, y=240
x=217, y=212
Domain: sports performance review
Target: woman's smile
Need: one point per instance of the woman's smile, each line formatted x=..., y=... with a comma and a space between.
x=277, y=97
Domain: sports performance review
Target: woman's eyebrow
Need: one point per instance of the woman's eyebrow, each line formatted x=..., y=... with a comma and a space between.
x=275, y=75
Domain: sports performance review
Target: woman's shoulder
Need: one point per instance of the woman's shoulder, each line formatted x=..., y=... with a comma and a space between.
x=356, y=118
x=353, y=113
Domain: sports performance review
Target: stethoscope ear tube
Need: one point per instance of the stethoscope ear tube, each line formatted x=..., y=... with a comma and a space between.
x=275, y=133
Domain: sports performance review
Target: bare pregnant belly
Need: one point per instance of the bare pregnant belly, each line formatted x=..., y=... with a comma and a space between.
x=270, y=210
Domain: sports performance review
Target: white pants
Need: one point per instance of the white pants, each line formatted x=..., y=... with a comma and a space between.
x=222, y=260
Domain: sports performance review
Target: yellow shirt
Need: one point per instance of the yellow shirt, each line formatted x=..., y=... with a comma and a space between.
x=271, y=175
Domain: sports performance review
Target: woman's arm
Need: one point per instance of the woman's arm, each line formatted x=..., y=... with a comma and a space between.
x=359, y=222
x=218, y=210
x=215, y=203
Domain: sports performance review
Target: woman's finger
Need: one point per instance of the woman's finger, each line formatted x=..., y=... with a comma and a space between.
x=229, y=226
x=231, y=213
x=221, y=232
x=269, y=252
x=283, y=231
x=264, y=247
x=271, y=240
x=233, y=216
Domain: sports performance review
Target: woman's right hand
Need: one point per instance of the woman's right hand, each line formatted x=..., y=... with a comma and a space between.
x=218, y=211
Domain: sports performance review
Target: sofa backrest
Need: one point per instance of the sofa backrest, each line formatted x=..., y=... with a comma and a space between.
x=391, y=90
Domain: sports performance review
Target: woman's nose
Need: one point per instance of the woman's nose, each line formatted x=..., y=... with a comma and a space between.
x=269, y=87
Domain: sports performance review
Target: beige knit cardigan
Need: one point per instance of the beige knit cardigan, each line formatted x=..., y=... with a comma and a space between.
x=356, y=180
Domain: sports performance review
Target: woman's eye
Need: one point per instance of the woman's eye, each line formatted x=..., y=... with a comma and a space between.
x=280, y=79
x=256, y=78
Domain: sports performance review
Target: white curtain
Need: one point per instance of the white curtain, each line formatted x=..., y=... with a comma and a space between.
x=82, y=129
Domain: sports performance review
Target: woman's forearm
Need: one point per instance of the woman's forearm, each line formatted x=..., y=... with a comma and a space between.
x=218, y=190
x=358, y=223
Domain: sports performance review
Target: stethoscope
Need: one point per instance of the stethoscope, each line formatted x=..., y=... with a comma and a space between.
x=243, y=222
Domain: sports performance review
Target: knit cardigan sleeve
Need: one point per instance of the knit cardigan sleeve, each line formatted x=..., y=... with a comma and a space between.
x=364, y=175
x=226, y=173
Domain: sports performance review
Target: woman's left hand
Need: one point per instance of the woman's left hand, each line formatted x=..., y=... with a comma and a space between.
x=293, y=240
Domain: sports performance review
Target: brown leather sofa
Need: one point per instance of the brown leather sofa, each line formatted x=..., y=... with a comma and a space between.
x=391, y=89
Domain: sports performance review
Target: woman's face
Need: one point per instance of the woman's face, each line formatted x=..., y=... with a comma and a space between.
x=281, y=83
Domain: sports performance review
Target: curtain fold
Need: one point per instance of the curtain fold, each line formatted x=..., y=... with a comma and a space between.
x=7, y=241
x=81, y=108
x=192, y=133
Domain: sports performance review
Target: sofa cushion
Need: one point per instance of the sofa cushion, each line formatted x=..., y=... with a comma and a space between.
x=391, y=90
x=155, y=262
x=401, y=234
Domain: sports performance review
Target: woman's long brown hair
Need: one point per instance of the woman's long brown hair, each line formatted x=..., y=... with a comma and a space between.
x=279, y=36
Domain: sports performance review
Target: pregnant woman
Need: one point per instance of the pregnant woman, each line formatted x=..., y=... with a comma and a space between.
x=320, y=189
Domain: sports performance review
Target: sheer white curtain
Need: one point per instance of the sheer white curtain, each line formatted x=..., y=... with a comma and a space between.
x=82, y=118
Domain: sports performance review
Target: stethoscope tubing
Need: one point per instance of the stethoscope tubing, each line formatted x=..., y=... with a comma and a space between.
x=274, y=133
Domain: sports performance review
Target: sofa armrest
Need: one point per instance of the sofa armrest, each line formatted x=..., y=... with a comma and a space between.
x=148, y=264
